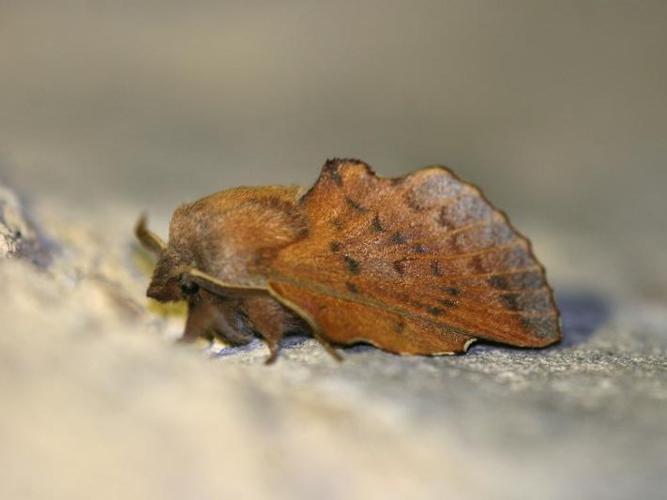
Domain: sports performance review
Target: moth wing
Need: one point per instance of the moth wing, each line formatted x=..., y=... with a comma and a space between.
x=421, y=264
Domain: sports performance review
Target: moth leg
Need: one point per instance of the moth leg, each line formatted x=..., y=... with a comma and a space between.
x=211, y=318
x=199, y=320
x=328, y=346
x=231, y=324
x=274, y=349
x=270, y=320
x=301, y=315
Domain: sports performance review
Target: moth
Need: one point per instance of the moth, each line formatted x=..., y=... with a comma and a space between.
x=421, y=264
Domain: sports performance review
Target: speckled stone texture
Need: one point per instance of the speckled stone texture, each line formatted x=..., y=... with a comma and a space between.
x=97, y=401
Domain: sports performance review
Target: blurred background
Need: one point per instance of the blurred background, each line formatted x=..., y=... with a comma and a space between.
x=556, y=108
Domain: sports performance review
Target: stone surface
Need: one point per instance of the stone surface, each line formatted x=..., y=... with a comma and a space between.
x=97, y=401
x=18, y=236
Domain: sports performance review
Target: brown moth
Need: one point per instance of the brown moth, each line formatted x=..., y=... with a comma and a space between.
x=420, y=264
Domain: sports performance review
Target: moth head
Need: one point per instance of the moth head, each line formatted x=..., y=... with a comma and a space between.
x=170, y=277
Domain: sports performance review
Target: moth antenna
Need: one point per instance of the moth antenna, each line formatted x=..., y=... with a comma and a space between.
x=150, y=241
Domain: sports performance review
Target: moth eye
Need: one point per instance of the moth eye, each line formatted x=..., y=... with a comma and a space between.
x=189, y=288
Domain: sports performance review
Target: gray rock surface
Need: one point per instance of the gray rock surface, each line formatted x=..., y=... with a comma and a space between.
x=18, y=236
x=97, y=401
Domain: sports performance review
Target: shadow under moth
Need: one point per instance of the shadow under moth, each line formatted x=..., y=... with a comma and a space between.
x=420, y=264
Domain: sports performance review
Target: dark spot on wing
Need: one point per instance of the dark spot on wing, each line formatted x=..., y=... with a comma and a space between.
x=435, y=311
x=399, y=326
x=451, y=291
x=510, y=301
x=332, y=169
x=448, y=302
x=398, y=239
x=352, y=265
x=335, y=246
x=377, y=224
x=355, y=205
x=436, y=268
x=337, y=223
x=412, y=202
x=498, y=282
x=399, y=266
x=351, y=287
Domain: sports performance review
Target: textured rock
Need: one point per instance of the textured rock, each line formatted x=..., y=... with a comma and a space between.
x=98, y=402
x=18, y=236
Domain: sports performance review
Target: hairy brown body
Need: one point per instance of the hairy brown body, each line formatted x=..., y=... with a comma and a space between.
x=421, y=264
